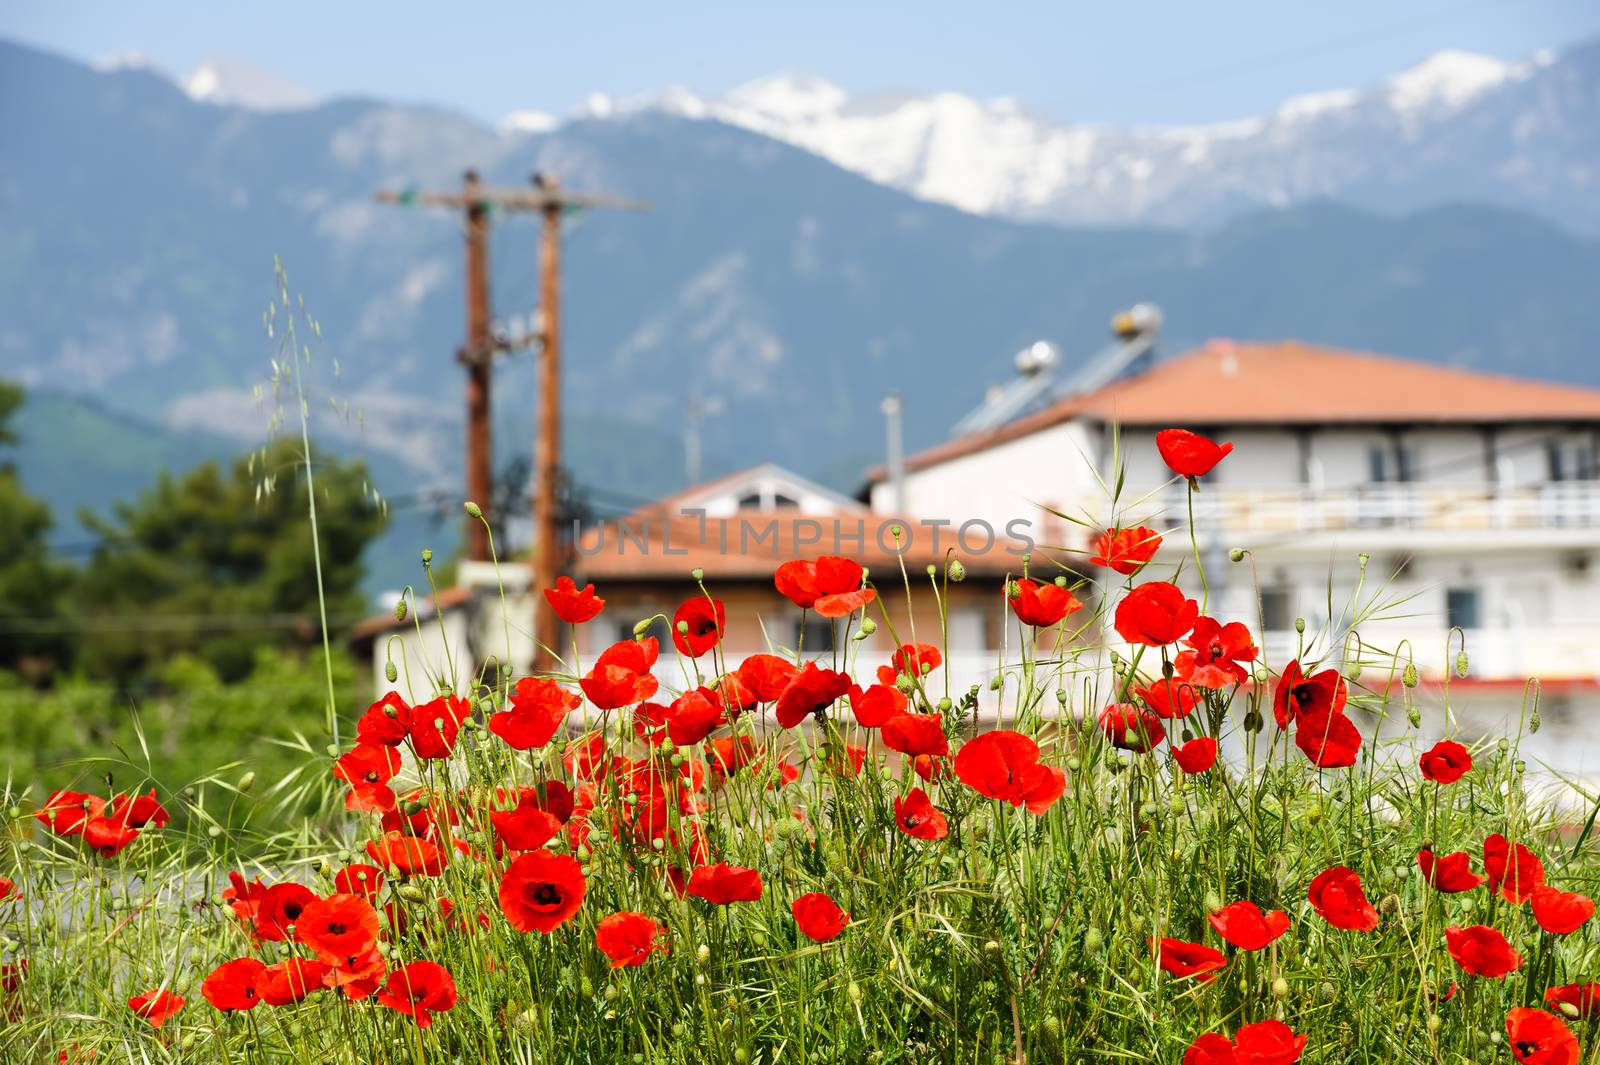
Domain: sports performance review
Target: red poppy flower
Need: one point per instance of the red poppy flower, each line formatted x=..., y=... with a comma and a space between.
x=1267, y=1042
x=1196, y=756
x=539, y=708
x=916, y=659
x=291, y=980
x=830, y=585
x=1125, y=550
x=1513, y=871
x=1331, y=741
x=919, y=818
x=338, y=928
x=1584, y=998
x=234, y=985
x=1005, y=765
x=1246, y=926
x=1336, y=895
x=1182, y=959
x=1481, y=950
x=140, y=810
x=8, y=889
x=368, y=768
x=1131, y=727
x=916, y=734
x=1210, y=1049
x=1445, y=762
x=1215, y=653
x=621, y=675
x=697, y=626
x=571, y=605
x=362, y=976
x=729, y=754
x=435, y=725
x=1155, y=614
x=1170, y=699
x=931, y=768
x=528, y=825
x=64, y=812
x=1297, y=694
x=811, y=692
x=387, y=721
x=693, y=716
x=1189, y=454
x=1451, y=873
x=723, y=884
x=766, y=676
x=279, y=907
x=157, y=1007
x=1560, y=913
x=875, y=705
x=410, y=855
x=107, y=836
x=1040, y=605
x=847, y=764
x=541, y=891
x=818, y=916
x=419, y=990
x=359, y=879
x=1540, y=1038
x=627, y=938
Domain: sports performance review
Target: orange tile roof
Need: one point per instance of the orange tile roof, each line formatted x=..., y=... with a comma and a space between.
x=1287, y=382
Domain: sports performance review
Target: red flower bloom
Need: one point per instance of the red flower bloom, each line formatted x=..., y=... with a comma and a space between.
x=1196, y=756
x=140, y=810
x=1155, y=614
x=234, y=985
x=811, y=692
x=435, y=725
x=693, y=716
x=1267, y=1043
x=919, y=818
x=1189, y=454
x=1169, y=699
x=1337, y=896
x=1540, y=1038
x=338, y=928
x=64, y=812
x=1247, y=927
x=931, y=768
x=627, y=938
x=1210, y=1049
x=729, y=754
x=541, y=891
x=765, y=676
x=411, y=855
x=1040, y=605
x=359, y=879
x=830, y=585
x=8, y=889
x=916, y=734
x=539, y=708
x=1181, y=959
x=1297, y=694
x=1450, y=874
x=1513, y=871
x=1560, y=913
x=531, y=823
x=368, y=768
x=1125, y=550
x=818, y=916
x=387, y=721
x=875, y=705
x=723, y=884
x=572, y=606
x=621, y=675
x=107, y=836
x=1215, y=653
x=1585, y=998
x=157, y=1006
x=697, y=626
x=364, y=975
x=1481, y=950
x=1331, y=741
x=279, y=908
x=419, y=990
x=916, y=659
x=291, y=980
x=1005, y=765
x=1131, y=727
x=1445, y=762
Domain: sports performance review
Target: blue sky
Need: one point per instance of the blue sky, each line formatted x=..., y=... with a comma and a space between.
x=1155, y=61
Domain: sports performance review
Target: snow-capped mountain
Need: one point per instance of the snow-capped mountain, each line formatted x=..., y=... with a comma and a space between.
x=241, y=84
x=1457, y=126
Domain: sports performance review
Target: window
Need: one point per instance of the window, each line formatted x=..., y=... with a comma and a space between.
x=1277, y=610
x=1377, y=464
x=781, y=502
x=750, y=501
x=1461, y=608
x=815, y=634
x=1555, y=461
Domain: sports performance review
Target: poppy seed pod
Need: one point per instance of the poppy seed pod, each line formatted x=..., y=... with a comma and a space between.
x=427, y=556
x=697, y=574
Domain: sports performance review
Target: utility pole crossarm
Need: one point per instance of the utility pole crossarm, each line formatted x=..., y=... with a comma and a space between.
x=532, y=200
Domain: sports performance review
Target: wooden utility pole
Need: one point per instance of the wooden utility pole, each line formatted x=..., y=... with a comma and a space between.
x=477, y=356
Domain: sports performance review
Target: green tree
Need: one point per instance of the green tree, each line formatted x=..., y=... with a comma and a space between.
x=217, y=563
x=33, y=636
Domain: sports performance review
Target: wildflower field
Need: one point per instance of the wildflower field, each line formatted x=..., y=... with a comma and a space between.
x=1146, y=843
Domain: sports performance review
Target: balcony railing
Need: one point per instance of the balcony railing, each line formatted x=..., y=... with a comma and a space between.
x=1561, y=505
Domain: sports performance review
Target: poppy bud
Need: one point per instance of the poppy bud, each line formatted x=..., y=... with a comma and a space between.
x=473, y=510
x=1212, y=902
x=1236, y=555
x=1534, y=723
x=641, y=628
x=1461, y=663
x=611, y=992
x=697, y=574
x=1052, y=1026
x=390, y=673
x=903, y=682
x=996, y=684
x=411, y=892
x=1061, y=582
x=586, y=986
x=427, y=556
x=400, y=609
x=1280, y=988
x=1300, y=626
x=1409, y=677
x=1073, y=763
x=1414, y=716
x=214, y=831
x=1389, y=905
x=895, y=531
x=1093, y=940
x=683, y=628
x=855, y=991
x=411, y=807
x=1501, y=745
x=956, y=571
x=1519, y=767
x=1570, y=1010
x=189, y=1042
x=1013, y=590
x=1434, y=1022
x=945, y=705
x=868, y=626
x=702, y=954
x=1061, y=696
x=932, y=570
x=526, y=1022
x=246, y=781
x=1252, y=722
